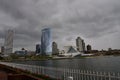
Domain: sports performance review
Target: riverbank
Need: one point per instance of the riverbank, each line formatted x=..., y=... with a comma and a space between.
x=45, y=59
x=53, y=58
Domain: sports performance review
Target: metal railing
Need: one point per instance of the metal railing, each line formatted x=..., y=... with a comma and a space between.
x=66, y=74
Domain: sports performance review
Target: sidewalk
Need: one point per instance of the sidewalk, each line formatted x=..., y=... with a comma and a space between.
x=7, y=74
x=3, y=75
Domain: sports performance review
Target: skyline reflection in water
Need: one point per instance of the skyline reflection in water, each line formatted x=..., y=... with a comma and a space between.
x=101, y=63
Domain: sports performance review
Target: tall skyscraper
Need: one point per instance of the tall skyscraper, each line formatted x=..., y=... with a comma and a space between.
x=80, y=44
x=89, y=48
x=8, y=44
x=46, y=42
x=83, y=45
x=38, y=48
x=2, y=49
x=55, y=50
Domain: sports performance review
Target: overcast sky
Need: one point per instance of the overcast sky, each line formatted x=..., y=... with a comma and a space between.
x=95, y=21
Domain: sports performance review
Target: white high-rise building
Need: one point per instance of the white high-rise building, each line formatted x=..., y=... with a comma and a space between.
x=80, y=44
x=8, y=44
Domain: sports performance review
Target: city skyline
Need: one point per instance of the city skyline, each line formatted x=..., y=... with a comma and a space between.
x=97, y=22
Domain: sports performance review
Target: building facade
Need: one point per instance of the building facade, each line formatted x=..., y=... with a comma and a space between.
x=83, y=45
x=38, y=48
x=70, y=49
x=2, y=49
x=46, y=42
x=55, y=50
x=8, y=44
x=80, y=44
x=89, y=48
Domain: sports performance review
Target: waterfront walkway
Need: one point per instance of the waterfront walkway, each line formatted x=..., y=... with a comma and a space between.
x=62, y=74
x=3, y=75
x=6, y=73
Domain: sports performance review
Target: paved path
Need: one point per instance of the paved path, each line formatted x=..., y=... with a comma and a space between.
x=7, y=74
x=3, y=75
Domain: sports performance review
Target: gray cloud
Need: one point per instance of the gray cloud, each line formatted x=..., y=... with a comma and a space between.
x=90, y=19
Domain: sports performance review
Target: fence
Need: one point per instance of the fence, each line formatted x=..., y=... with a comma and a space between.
x=66, y=74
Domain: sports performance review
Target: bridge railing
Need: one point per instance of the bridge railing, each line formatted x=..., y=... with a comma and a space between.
x=66, y=74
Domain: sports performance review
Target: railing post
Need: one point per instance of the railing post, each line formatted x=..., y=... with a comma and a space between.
x=109, y=76
x=97, y=75
x=90, y=73
x=118, y=76
x=82, y=75
x=104, y=75
x=87, y=75
x=94, y=75
x=64, y=74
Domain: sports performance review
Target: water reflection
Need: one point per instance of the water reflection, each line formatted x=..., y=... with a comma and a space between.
x=101, y=63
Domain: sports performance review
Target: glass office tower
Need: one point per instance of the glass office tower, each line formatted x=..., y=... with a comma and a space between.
x=46, y=42
x=8, y=44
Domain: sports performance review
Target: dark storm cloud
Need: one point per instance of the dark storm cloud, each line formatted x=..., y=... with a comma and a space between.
x=14, y=9
x=68, y=19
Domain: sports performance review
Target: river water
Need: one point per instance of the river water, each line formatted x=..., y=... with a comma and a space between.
x=100, y=63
